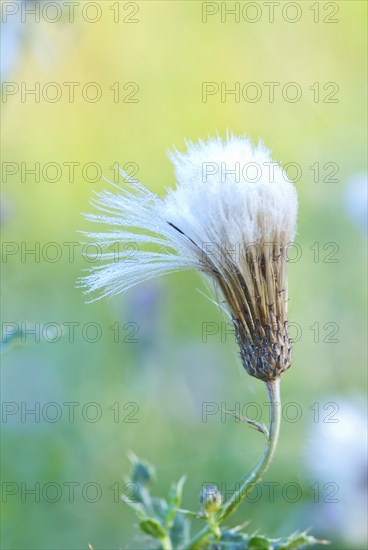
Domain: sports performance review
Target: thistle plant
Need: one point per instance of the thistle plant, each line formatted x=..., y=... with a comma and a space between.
x=231, y=217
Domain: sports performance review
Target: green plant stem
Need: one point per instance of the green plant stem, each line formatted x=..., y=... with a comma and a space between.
x=166, y=543
x=273, y=389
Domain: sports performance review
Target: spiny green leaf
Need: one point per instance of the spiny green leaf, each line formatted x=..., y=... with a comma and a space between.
x=179, y=532
x=143, y=473
x=258, y=542
x=159, y=508
x=233, y=540
x=192, y=514
x=152, y=527
x=297, y=541
x=174, y=501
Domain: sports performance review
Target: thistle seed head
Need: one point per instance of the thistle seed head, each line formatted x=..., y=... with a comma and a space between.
x=231, y=216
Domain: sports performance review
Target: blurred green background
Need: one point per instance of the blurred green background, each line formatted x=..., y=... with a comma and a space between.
x=163, y=379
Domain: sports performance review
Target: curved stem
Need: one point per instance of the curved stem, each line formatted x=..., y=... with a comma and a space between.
x=273, y=389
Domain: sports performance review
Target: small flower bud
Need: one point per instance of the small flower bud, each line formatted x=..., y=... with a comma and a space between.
x=210, y=498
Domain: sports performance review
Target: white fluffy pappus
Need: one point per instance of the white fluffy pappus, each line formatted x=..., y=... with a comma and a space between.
x=214, y=206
